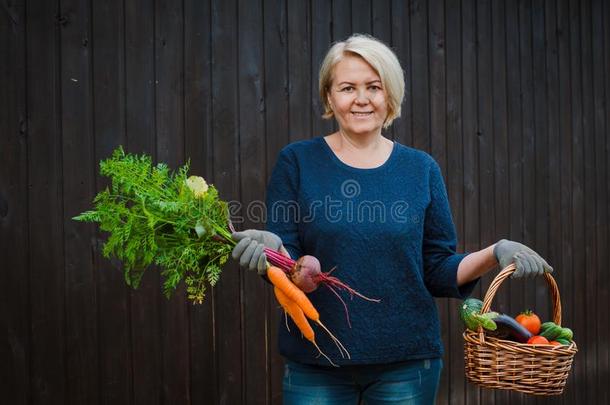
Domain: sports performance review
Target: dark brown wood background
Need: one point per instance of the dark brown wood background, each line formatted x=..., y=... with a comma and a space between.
x=511, y=97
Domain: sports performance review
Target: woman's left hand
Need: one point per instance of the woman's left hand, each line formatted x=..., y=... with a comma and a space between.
x=528, y=262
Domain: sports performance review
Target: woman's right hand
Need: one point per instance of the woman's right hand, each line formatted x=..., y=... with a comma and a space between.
x=249, y=249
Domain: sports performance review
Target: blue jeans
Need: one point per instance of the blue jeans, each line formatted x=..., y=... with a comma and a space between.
x=413, y=382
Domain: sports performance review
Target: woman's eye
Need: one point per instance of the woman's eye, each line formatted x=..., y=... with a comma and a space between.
x=347, y=88
x=374, y=88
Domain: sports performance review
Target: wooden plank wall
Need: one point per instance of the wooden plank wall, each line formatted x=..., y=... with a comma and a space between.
x=511, y=97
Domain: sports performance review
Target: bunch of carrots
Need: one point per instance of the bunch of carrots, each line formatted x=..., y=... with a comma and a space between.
x=296, y=305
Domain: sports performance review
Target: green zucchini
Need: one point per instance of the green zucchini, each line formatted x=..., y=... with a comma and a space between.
x=564, y=342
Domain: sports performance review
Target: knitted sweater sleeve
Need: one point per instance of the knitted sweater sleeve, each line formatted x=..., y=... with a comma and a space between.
x=439, y=245
x=283, y=210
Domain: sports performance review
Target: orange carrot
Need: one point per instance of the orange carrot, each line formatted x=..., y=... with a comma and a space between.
x=283, y=284
x=279, y=279
x=295, y=313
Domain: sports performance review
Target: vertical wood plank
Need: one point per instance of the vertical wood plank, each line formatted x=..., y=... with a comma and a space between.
x=601, y=212
x=438, y=96
x=229, y=349
x=500, y=148
x=341, y=20
x=140, y=128
x=341, y=25
x=276, y=137
x=606, y=65
x=421, y=77
x=527, y=91
x=109, y=128
x=590, y=314
x=528, y=196
x=81, y=339
x=199, y=149
x=485, y=134
x=321, y=17
x=169, y=115
x=515, y=134
x=552, y=95
x=361, y=16
x=554, y=145
x=169, y=82
x=554, y=151
x=454, y=358
x=299, y=69
x=45, y=206
x=606, y=113
x=485, y=144
x=529, y=185
x=470, y=151
x=500, y=126
x=577, y=188
x=252, y=181
x=438, y=140
x=541, y=147
x=381, y=16
x=565, y=130
x=401, y=43
x=15, y=319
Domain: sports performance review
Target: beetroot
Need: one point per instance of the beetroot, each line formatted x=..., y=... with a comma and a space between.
x=306, y=273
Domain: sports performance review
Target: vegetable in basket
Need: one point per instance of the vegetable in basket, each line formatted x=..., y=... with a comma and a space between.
x=530, y=321
x=552, y=331
x=470, y=314
x=498, y=325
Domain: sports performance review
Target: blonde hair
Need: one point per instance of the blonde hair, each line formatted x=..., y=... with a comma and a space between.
x=380, y=57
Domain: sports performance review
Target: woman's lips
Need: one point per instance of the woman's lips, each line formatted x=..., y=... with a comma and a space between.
x=362, y=114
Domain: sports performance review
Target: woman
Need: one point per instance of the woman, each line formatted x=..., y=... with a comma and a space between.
x=379, y=212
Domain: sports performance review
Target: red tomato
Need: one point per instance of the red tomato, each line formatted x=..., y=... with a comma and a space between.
x=530, y=321
x=555, y=343
x=538, y=340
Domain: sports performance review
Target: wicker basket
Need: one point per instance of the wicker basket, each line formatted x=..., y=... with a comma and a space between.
x=504, y=364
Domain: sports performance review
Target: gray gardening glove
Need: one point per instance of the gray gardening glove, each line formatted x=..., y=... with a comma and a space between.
x=249, y=249
x=528, y=262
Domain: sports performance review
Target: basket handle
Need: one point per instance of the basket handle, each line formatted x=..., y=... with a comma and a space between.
x=505, y=273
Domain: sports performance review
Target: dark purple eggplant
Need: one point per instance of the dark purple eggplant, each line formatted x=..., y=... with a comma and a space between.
x=510, y=329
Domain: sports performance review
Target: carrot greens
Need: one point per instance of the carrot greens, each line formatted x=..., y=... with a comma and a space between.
x=157, y=216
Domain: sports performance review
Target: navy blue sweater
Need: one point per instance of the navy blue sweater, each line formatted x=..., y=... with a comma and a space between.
x=390, y=234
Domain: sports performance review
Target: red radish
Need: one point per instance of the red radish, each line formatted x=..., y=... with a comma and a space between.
x=306, y=274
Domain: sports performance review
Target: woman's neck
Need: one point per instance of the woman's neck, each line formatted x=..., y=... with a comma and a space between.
x=369, y=142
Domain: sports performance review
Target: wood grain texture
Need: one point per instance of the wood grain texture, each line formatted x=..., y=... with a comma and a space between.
x=14, y=215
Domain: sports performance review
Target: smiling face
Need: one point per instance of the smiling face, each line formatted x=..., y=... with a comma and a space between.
x=357, y=97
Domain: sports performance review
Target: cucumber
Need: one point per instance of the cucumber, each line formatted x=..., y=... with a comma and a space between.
x=566, y=333
x=564, y=342
x=550, y=330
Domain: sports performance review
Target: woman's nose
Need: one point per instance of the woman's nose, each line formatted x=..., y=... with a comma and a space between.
x=362, y=97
